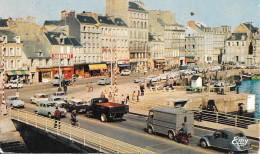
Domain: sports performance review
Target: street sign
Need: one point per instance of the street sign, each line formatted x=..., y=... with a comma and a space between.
x=62, y=56
x=73, y=84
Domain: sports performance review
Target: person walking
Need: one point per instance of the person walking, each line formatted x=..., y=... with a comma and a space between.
x=57, y=115
x=65, y=88
x=102, y=95
x=127, y=99
x=110, y=97
x=138, y=94
x=133, y=97
x=73, y=117
x=200, y=113
x=123, y=99
x=90, y=89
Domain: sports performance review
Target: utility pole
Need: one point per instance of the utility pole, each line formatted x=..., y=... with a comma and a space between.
x=3, y=105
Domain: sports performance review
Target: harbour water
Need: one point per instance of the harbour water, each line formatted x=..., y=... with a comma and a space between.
x=252, y=87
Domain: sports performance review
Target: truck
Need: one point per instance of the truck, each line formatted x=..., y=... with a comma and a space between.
x=104, y=110
x=59, y=79
x=168, y=121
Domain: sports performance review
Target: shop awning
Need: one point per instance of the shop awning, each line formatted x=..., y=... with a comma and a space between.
x=160, y=61
x=21, y=72
x=124, y=65
x=97, y=66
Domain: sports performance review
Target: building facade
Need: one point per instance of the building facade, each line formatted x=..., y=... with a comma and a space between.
x=135, y=15
x=256, y=51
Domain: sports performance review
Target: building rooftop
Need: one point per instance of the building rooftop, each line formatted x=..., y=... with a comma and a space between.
x=55, y=22
x=134, y=6
x=3, y=23
x=250, y=27
x=10, y=35
x=238, y=36
x=120, y=22
x=105, y=20
x=86, y=19
x=32, y=50
x=53, y=38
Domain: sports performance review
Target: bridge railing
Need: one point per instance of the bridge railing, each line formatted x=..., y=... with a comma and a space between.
x=76, y=134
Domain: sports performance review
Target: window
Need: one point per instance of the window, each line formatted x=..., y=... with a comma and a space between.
x=18, y=39
x=68, y=50
x=11, y=51
x=61, y=49
x=4, y=50
x=12, y=64
x=18, y=52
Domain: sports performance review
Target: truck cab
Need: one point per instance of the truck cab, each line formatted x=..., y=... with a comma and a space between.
x=168, y=121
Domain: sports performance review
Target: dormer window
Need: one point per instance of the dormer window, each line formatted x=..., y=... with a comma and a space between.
x=18, y=39
x=61, y=40
x=4, y=39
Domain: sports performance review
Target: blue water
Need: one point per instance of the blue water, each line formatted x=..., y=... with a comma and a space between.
x=252, y=87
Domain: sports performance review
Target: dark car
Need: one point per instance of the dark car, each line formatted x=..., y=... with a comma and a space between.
x=75, y=104
x=230, y=139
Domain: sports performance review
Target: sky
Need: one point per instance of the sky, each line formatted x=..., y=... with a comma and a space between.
x=209, y=12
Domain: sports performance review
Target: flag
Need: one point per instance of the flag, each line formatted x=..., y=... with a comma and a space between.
x=192, y=13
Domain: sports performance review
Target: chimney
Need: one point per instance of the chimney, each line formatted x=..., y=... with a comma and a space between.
x=192, y=24
x=72, y=13
x=89, y=13
x=95, y=16
x=64, y=14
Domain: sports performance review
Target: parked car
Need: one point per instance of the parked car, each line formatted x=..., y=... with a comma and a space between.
x=39, y=97
x=58, y=97
x=152, y=78
x=125, y=72
x=104, y=81
x=230, y=139
x=13, y=84
x=163, y=76
x=101, y=108
x=250, y=67
x=14, y=101
x=174, y=75
x=47, y=108
x=198, y=69
x=59, y=93
x=76, y=104
x=141, y=79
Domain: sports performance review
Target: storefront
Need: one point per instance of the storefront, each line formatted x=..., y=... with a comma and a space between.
x=21, y=74
x=44, y=74
x=97, y=69
x=67, y=71
x=159, y=63
x=79, y=69
x=189, y=60
x=124, y=65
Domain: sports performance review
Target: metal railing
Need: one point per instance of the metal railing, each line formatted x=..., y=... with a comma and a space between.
x=76, y=134
x=210, y=116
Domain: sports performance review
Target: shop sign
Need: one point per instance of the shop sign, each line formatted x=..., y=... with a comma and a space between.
x=62, y=56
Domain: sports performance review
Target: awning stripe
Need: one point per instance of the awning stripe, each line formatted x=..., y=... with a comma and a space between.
x=14, y=73
x=20, y=72
x=97, y=66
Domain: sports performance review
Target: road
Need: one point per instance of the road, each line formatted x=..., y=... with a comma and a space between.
x=130, y=130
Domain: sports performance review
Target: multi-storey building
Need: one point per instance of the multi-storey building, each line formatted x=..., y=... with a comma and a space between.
x=86, y=29
x=114, y=40
x=256, y=50
x=163, y=23
x=14, y=56
x=156, y=48
x=135, y=15
x=59, y=43
x=239, y=46
x=194, y=44
x=38, y=61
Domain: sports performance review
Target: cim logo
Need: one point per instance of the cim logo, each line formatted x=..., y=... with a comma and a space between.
x=239, y=141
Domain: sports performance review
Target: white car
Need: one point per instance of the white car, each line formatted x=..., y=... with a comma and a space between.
x=141, y=79
x=174, y=75
x=104, y=81
x=163, y=76
x=152, y=78
x=14, y=101
x=13, y=84
x=39, y=97
x=125, y=72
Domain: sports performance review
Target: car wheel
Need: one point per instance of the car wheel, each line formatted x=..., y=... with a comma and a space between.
x=36, y=112
x=49, y=115
x=150, y=130
x=103, y=117
x=170, y=135
x=203, y=144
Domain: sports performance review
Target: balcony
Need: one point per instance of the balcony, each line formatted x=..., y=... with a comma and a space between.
x=137, y=49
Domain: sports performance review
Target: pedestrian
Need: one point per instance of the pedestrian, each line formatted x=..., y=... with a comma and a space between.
x=90, y=87
x=57, y=115
x=200, y=113
x=133, y=97
x=102, y=95
x=65, y=88
x=138, y=94
x=240, y=111
x=142, y=90
x=127, y=99
x=73, y=117
x=110, y=97
x=123, y=99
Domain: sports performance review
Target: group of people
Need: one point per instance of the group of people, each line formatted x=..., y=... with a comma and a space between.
x=89, y=87
x=57, y=116
x=124, y=99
